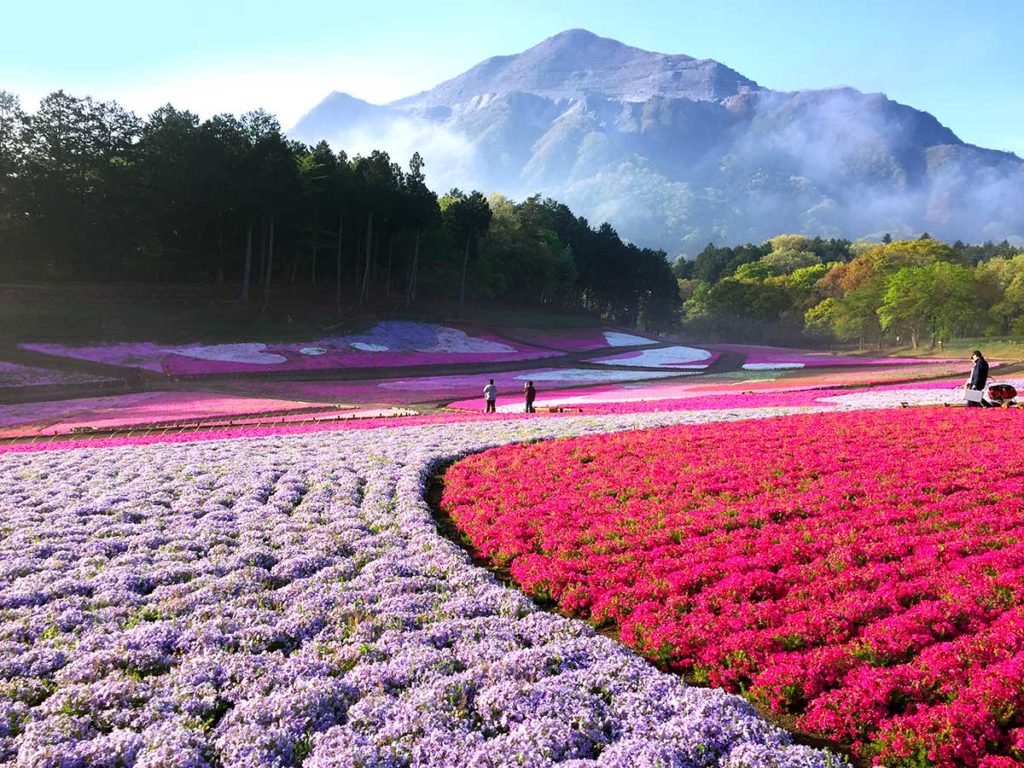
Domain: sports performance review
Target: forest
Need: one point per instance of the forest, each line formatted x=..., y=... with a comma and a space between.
x=91, y=193
x=797, y=289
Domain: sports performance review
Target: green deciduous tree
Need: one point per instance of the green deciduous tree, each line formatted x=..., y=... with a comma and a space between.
x=936, y=299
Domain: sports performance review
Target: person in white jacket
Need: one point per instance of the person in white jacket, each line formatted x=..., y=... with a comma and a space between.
x=491, y=396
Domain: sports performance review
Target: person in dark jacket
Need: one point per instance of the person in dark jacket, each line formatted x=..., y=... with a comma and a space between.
x=979, y=375
x=531, y=394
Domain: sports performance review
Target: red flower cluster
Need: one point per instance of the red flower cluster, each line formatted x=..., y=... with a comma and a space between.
x=864, y=571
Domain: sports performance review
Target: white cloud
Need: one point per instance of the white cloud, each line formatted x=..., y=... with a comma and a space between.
x=451, y=159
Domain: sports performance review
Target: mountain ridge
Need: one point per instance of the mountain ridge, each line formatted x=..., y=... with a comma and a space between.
x=676, y=151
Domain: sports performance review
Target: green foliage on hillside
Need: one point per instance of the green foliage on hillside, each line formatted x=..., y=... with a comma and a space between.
x=792, y=288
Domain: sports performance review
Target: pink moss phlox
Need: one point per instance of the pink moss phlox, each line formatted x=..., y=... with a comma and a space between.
x=224, y=432
x=861, y=571
x=137, y=409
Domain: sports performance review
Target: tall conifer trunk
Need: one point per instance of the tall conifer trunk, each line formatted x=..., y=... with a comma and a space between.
x=316, y=243
x=247, y=273
x=364, y=293
x=337, y=276
x=462, y=287
x=410, y=292
x=270, y=265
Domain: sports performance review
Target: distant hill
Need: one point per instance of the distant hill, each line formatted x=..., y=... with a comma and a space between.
x=676, y=151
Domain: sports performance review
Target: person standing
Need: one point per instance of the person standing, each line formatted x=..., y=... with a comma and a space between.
x=531, y=394
x=491, y=396
x=979, y=375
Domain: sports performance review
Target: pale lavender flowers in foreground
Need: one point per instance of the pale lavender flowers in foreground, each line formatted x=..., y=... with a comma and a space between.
x=288, y=601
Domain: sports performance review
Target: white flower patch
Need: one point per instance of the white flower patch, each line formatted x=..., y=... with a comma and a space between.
x=895, y=398
x=953, y=394
x=770, y=366
x=251, y=353
x=617, y=339
x=666, y=357
x=452, y=340
x=365, y=346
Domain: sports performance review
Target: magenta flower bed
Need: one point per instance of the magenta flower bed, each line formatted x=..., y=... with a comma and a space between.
x=815, y=563
x=347, y=392
x=62, y=416
x=418, y=389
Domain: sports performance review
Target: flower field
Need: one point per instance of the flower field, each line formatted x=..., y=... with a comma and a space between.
x=276, y=593
x=861, y=571
x=287, y=601
x=386, y=344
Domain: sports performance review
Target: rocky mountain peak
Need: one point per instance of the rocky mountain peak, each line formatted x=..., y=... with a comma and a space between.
x=577, y=62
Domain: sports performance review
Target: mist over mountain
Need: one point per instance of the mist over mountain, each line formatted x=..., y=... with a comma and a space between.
x=676, y=151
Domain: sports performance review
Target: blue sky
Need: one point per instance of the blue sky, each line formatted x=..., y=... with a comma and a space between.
x=961, y=61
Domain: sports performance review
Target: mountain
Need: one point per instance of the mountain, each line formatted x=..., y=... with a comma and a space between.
x=676, y=151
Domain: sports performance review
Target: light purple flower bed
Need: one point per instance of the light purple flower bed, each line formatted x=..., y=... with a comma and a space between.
x=13, y=375
x=288, y=601
x=387, y=344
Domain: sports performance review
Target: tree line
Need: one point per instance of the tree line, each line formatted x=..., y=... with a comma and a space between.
x=90, y=192
x=793, y=288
